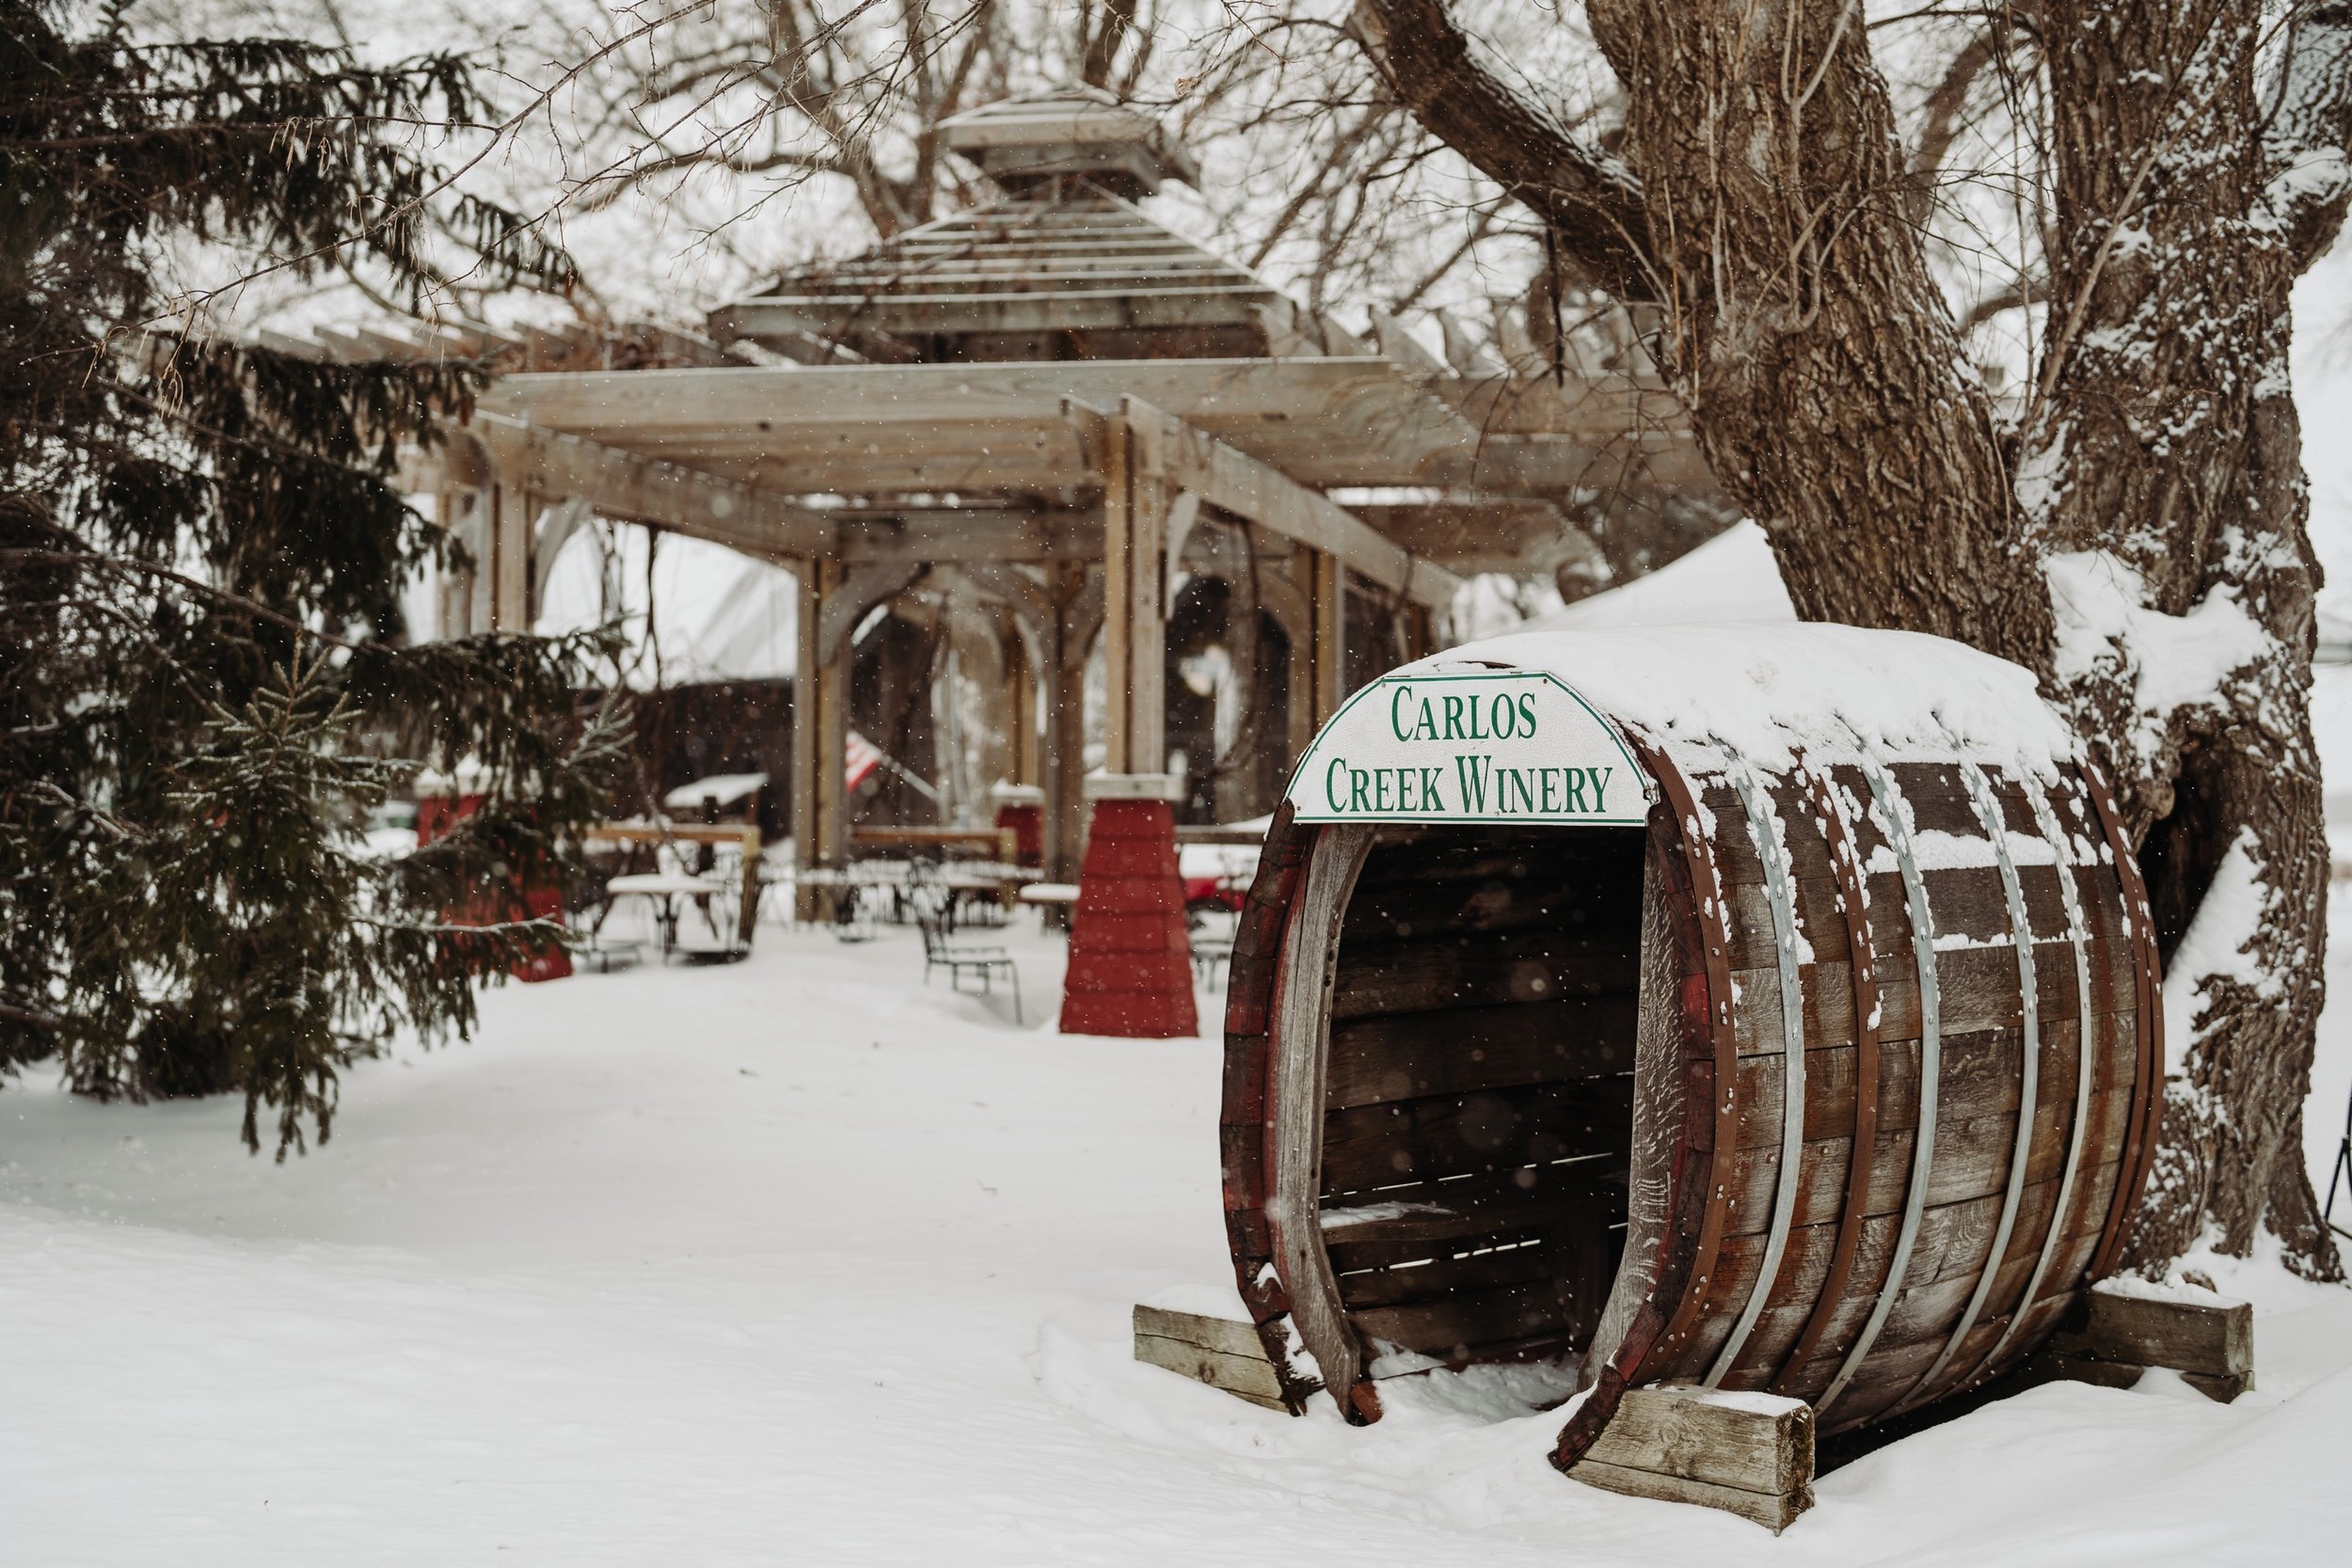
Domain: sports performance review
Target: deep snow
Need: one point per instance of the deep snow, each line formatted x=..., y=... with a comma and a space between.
x=799, y=1261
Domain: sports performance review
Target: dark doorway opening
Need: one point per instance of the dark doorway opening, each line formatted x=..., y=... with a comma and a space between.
x=1479, y=1090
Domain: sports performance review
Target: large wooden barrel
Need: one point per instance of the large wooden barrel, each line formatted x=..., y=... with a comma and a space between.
x=1826, y=1063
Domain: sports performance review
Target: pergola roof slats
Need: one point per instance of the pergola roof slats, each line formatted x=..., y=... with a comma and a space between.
x=1039, y=311
x=868, y=429
x=985, y=271
x=632, y=487
x=1017, y=245
x=637, y=487
x=912, y=303
x=1020, y=141
x=1081, y=262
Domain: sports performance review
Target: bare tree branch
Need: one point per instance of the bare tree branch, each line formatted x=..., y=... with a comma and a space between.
x=2016, y=297
x=1943, y=124
x=1591, y=199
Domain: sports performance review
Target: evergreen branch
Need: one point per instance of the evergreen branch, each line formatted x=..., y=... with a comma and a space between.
x=534, y=926
x=38, y=1021
x=104, y=819
x=133, y=566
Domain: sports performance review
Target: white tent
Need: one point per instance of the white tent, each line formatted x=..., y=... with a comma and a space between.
x=713, y=614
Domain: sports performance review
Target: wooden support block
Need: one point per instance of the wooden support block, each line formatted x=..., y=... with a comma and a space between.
x=1223, y=1353
x=1775, y=1512
x=1749, y=1454
x=2123, y=1326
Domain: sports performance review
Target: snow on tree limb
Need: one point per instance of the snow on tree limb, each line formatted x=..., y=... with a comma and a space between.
x=2310, y=129
x=2170, y=664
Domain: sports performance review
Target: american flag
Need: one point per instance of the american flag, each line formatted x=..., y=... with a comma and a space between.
x=858, y=761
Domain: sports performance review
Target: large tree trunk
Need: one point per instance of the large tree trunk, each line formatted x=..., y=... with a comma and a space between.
x=2167, y=483
x=1822, y=372
x=2152, y=506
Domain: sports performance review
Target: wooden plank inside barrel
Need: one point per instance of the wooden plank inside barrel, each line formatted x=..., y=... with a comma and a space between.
x=1485, y=1047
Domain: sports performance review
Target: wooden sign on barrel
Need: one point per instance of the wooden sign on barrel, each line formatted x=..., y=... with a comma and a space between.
x=1504, y=746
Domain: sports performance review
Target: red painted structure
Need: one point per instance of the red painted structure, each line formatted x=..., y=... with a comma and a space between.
x=435, y=815
x=1021, y=808
x=1130, y=951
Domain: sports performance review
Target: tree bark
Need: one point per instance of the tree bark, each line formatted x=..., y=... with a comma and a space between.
x=1797, y=319
x=1764, y=207
x=2163, y=452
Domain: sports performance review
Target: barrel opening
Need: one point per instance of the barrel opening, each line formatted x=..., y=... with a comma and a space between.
x=1479, y=1090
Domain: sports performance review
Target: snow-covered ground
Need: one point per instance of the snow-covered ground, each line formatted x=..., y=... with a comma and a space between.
x=799, y=1261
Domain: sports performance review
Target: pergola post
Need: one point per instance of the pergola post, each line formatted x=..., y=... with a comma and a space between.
x=1330, y=619
x=453, y=590
x=820, y=734
x=1023, y=756
x=1318, y=660
x=481, y=534
x=1075, y=616
x=1421, y=634
x=508, y=563
x=1135, y=499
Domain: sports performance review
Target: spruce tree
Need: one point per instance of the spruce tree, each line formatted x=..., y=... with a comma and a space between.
x=203, y=680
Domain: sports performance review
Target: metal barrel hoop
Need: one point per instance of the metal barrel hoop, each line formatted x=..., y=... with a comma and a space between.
x=2029, y=1073
x=1887, y=801
x=1764, y=827
x=2078, y=938
x=1854, y=896
x=1708, y=889
x=2140, y=1140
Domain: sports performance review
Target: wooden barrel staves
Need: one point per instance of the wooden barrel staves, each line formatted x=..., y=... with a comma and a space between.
x=1762, y=1008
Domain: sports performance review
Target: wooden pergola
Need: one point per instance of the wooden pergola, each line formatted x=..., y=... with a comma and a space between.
x=1055, y=402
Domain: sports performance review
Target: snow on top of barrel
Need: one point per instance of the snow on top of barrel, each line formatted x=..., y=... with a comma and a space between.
x=1767, y=690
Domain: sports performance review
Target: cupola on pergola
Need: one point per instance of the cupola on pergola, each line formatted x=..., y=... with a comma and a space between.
x=1057, y=403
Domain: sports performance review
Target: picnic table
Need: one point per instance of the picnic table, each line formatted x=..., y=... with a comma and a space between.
x=843, y=883
x=666, y=890
x=966, y=888
x=1053, y=901
x=745, y=834
x=719, y=792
